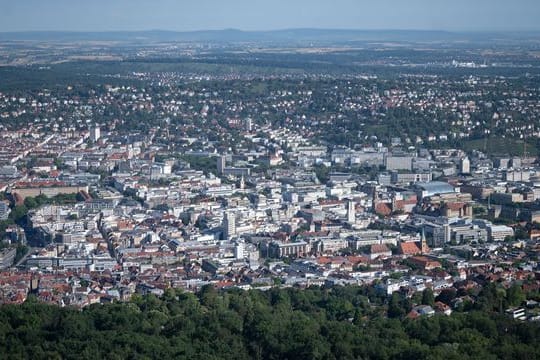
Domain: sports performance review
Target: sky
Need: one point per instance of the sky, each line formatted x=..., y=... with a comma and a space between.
x=188, y=15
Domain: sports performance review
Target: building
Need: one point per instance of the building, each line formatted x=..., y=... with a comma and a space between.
x=221, y=162
x=229, y=225
x=47, y=188
x=421, y=310
x=311, y=215
x=248, y=124
x=506, y=198
x=425, y=263
x=502, y=163
x=239, y=251
x=433, y=188
x=499, y=232
x=465, y=166
x=392, y=285
x=398, y=162
x=456, y=209
x=351, y=212
x=517, y=175
x=328, y=246
x=379, y=251
x=384, y=179
x=95, y=133
x=464, y=233
x=437, y=234
x=370, y=237
x=4, y=210
x=478, y=191
x=516, y=313
x=235, y=171
x=408, y=248
x=410, y=178
x=279, y=249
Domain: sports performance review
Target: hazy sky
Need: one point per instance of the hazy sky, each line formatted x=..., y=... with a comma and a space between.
x=103, y=15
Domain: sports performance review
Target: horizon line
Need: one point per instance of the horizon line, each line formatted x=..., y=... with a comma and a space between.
x=463, y=31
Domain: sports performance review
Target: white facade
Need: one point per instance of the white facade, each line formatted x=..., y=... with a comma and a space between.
x=95, y=133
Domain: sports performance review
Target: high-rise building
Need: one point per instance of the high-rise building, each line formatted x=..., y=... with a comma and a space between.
x=229, y=225
x=95, y=133
x=465, y=166
x=221, y=161
x=239, y=251
x=351, y=213
x=248, y=124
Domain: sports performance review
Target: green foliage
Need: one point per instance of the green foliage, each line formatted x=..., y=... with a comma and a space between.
x=515, y=295
x=447, y=295
x=313, y=323
x=501, y=146
x=427, y=297
x=206, y=164
x=21, y=251
x=18, y=213
x=30, y=203
x=322, y=172
x=60, y=199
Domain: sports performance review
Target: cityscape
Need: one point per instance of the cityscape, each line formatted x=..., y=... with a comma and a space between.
x=199, y=184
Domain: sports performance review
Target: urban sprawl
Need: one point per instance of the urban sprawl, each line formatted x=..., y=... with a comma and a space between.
x=114, y=190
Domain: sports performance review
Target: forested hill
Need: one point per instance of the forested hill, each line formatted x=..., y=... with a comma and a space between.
x=337, y=323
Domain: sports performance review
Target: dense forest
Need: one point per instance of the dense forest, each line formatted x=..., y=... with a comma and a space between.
x=316, y=323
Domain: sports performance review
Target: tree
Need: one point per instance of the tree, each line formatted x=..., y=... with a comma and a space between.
x=447, y=295
x=322, y=172
x=18, y=213
x=427, y=297
x=30, y=202
x=208, y=296
x=515, y=295
x=395, y=309
x=276, y=324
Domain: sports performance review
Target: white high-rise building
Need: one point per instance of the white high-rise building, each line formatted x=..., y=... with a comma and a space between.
x=95, y=133
x=351, y=212
x=239, y=251
x=248, y=124
x=465, y=166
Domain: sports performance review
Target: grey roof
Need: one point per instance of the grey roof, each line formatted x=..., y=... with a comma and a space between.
x=435, y=187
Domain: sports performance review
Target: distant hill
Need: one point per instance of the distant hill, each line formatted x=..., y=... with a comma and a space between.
x=288, y=35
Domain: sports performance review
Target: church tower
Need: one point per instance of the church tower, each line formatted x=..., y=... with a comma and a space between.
x=424, y=249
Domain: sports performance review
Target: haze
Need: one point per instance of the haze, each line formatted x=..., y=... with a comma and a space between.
x=128, y=15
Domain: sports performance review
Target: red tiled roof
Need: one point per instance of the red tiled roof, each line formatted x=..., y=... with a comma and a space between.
x=454, y=206
x=379, y=248
x=383, y=209
x=413, y=314
x=409, y=248
x=39, y=183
